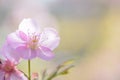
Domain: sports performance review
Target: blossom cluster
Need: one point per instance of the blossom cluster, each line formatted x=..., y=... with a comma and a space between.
x=27, y=42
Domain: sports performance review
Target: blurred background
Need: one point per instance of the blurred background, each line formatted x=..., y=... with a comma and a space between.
x=89, y=31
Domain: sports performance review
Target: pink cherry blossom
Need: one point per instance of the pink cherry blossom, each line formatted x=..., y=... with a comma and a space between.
x=29, y=42
x=8, y=70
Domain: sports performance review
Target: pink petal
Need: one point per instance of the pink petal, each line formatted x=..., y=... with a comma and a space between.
x=7, y=78
x=2, y=74
x=24, y=52
x=28, y=25
x=45, y=53
x=18, y=76
x=33, y=54
x=2, y=57
x=14, y=40
x=23, y=35
x=10, y=54
x=49, y=38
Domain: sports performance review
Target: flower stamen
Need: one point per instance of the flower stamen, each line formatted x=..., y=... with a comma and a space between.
x=33, y=41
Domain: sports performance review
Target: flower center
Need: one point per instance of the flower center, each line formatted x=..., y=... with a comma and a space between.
x=33, y=42
x=8, y=67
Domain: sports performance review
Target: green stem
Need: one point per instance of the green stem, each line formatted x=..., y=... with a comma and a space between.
x=29, y=70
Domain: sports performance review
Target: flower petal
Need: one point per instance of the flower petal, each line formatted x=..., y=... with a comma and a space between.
x=33, y=54
x=2, y=75
x=10, y=54
x=28, y=25
x=14, y=40
x=24, y=52
x=49, y=38
x=45, y=53
x=22, y=35
x=18, y=76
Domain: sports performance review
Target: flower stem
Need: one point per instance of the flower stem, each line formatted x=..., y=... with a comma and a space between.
x=29, y=70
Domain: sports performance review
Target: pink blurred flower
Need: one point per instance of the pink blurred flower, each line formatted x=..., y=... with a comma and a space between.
x=8, y=70
x=35, y=76
x=29, y=42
